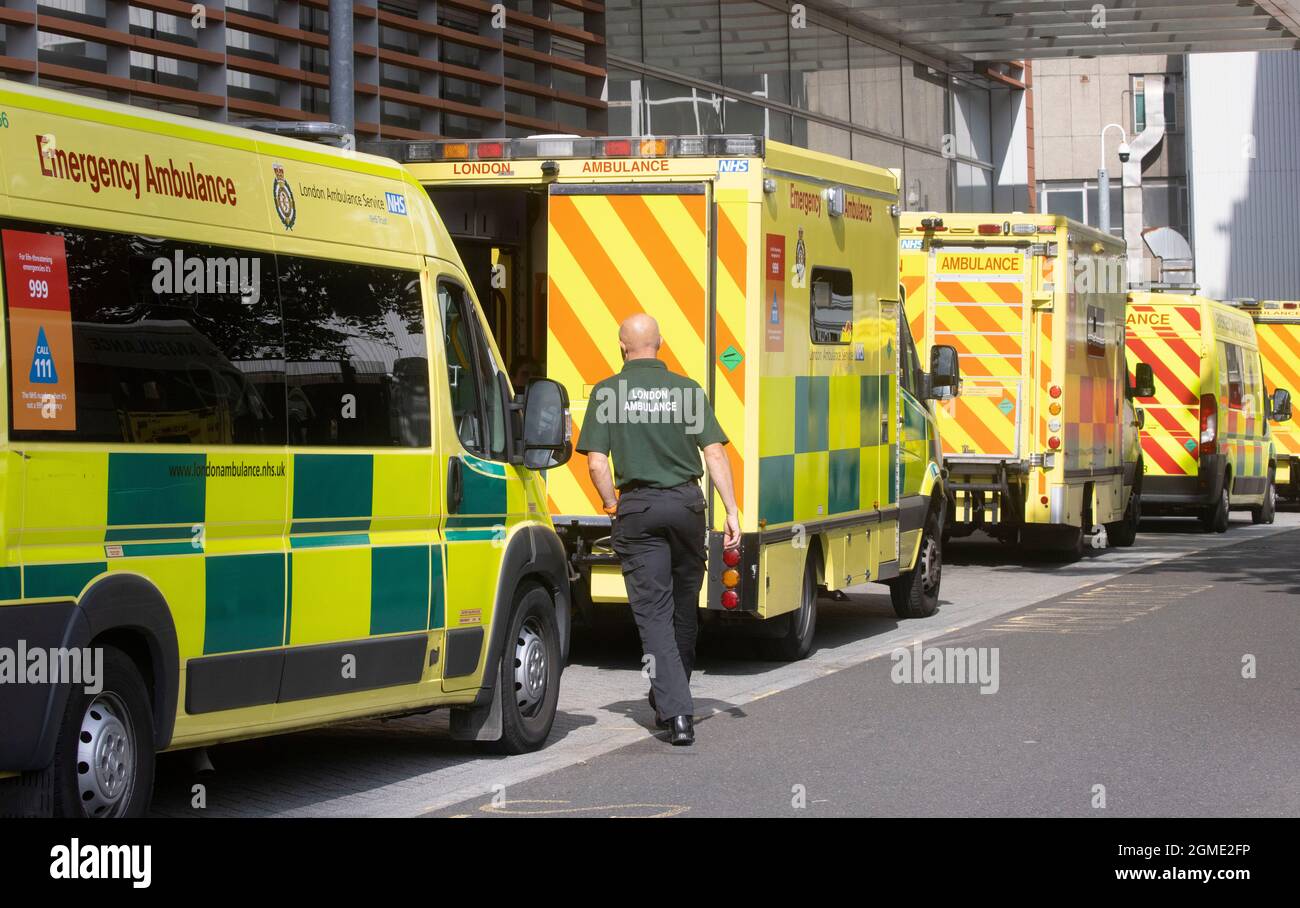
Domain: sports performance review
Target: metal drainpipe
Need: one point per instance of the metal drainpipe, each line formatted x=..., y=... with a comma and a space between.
x=1153, y=91
x=342, y=82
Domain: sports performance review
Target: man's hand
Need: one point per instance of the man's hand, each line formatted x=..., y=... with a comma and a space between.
x=720, y=472
x=731, y=531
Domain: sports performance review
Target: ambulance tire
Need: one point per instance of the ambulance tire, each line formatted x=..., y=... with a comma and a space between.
x=1266, y=512
x=1215, y=518
x=529, y=674
x=1124, y=533
x=104, y=757
x=796, y=639
x=916, y=593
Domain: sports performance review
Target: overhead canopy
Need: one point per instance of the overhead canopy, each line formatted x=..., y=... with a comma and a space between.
x=973, y=31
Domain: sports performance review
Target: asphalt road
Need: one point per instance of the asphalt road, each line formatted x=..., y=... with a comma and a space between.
x=1105, y=676
x=1135, y=684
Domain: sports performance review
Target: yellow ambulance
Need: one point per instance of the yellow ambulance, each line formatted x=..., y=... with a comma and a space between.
x=1206, y=443
x=772, y=271
x=1277, y=330
x=260, y=464
x=1041, y=445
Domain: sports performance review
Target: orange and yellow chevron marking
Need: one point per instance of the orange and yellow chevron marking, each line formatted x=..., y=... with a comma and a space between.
x=1279, y=348
x=984, y=321
x=610, y=256
x=1168, y=339
x=731, y=297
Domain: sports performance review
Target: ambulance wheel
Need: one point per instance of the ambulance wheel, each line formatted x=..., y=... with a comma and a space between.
x=796, y=641
x=1215, y=519
x=916, y=593
x=1124, y=533
x=1266, y=512
x=529, y=674
x=104, y=758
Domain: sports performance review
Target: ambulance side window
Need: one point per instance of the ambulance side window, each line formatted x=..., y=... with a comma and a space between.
x=476, y=405
x=830, y=306
x=357, y=363
x=161, y=342
x=909, y=376
x=1234, y=376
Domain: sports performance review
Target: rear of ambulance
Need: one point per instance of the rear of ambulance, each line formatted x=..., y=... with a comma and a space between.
x=1277, y=328
x=1180, y=435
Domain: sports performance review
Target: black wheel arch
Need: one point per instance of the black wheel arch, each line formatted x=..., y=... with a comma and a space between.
x=534, y=554
x=130, y=613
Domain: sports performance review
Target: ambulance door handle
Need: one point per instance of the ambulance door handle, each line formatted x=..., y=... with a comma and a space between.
x=455, y=488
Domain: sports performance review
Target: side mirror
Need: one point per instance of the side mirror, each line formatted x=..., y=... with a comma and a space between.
x=1144, y=384
x=945, y=369
x=547, y=426
x=1280, y=405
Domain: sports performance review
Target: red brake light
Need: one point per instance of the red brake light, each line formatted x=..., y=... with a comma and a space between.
x=1209, y=425
x=730, y=599
x=1054, y=443
x=731, y=557
x=1054, y=391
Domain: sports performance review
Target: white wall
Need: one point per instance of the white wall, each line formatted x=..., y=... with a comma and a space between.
x=1243, y=114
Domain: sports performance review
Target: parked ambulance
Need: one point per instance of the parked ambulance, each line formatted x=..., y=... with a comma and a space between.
x=1207, y=443
x=1041, y=447
x=1277, y=330
x=772, y=271
x=259, y=459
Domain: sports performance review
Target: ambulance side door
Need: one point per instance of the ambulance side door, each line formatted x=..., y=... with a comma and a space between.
x=483, y=493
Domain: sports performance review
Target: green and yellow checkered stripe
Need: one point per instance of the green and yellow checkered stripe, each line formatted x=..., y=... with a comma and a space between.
x=321, y=547
x=824, y=447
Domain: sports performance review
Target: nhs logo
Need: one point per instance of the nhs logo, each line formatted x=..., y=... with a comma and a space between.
x=733, y=165
x=396, y=202
x=912, y=244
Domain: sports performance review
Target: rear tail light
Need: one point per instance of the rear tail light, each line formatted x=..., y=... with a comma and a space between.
x=1209, y=425
x=730, y=599
x=1054, y=391
x=1054, y=443
x=731, y=557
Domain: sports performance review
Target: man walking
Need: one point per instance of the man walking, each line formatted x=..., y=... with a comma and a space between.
x=655, y=423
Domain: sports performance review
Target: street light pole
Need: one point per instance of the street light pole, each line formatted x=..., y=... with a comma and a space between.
x=1103, y=179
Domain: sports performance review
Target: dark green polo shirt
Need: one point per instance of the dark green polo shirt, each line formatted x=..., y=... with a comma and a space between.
x=653, y=423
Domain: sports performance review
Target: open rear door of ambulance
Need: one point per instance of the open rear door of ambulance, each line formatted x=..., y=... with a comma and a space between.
x=980, y=304
x=614, y=250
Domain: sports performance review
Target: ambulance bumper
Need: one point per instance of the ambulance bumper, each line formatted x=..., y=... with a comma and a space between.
x=30, y=712
x=1178, y=495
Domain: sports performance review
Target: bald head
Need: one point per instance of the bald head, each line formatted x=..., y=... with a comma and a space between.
x=638, y=336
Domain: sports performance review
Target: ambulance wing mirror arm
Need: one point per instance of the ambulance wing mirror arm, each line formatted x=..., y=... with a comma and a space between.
x=1280, y=405
x=945, y=371
x=547, y=425
x=1144, y=382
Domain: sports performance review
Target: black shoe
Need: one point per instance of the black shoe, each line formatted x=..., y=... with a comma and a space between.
x=659, y=720
x=683, y=731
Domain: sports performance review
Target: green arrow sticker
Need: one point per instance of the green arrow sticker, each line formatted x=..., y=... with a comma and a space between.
x=1006, y=406
x=731, y=358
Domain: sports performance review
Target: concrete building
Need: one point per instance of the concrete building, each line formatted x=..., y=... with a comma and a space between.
x=1217, y=202
x=935, y=88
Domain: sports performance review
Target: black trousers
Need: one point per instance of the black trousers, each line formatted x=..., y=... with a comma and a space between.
x=659, y=537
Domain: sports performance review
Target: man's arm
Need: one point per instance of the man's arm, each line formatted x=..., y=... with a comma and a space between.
x=715, y=458
x=601, y=478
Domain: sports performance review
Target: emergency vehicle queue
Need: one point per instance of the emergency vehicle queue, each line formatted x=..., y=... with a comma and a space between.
x=322, y=498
